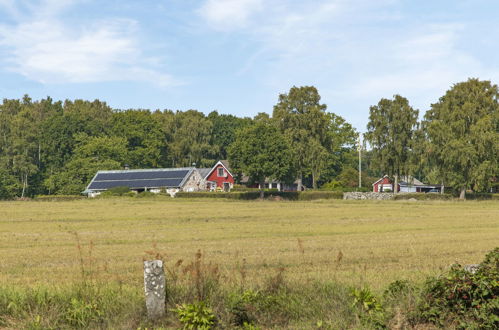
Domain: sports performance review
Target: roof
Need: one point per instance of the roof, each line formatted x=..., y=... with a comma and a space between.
x=386, y=176
x=404, y=181
x=204, y=172
x=138, y=179
x=408, y=181
x=224, y=163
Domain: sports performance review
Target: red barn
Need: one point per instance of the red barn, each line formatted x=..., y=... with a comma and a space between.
x=219, y=177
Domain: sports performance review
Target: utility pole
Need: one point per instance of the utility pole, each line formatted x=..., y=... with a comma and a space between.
x=359, y=148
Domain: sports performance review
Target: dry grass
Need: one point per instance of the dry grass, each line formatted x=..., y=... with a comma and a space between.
x=353, y=242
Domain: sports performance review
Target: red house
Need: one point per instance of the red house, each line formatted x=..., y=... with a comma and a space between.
x=219, y=177
x=406, y=184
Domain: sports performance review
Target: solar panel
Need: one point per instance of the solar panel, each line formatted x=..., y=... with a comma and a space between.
x=142, y=175
x=139, y=179
x=98, y=185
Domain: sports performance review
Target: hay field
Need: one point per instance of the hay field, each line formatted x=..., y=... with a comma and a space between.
x=354, y=242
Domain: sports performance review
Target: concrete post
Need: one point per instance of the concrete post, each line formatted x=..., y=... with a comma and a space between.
x=154, y=286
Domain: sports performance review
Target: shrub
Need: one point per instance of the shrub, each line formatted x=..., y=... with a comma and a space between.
x=145, y=194
x=482, y=196
x=312, y=195
x=119, y=191
x=58, y=197
x=422, y=196
x=469, y=298
x=195, y=316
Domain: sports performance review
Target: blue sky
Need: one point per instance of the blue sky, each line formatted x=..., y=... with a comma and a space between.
x=236, y=56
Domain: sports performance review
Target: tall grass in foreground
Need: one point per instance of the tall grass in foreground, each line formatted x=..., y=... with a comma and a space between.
x=198, y=296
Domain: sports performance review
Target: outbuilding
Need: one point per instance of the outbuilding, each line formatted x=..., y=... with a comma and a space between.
x=169, y=180
x=406, y=184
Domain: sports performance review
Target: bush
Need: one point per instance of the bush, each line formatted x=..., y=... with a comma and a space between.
x=119, y=191
x=195, y=316
x=252, y=195
x=59, y=197
x=468, y=298
x=146, y=194
x=482, y=196
x=422, y=196
x=313, y=195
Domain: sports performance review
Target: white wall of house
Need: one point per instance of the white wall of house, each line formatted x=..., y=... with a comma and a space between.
x=409, y=189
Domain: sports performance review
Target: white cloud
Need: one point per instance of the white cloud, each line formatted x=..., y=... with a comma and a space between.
x=358, y=51
x=46, y=49
x=229, y=14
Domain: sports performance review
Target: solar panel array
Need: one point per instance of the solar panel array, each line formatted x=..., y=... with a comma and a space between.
x=138, y=179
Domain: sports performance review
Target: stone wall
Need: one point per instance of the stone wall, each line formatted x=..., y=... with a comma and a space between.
x=368, y=195
x=195, y=182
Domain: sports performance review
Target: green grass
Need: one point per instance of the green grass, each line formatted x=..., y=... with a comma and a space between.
x=79, y=263
x=379, y=241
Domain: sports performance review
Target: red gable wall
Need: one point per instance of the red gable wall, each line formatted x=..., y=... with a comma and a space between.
x=382, y=182
x=213, y=176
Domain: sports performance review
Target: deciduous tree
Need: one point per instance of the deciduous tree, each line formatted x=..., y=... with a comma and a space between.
x=462, y=129
x=390, y=132
x=260, y=151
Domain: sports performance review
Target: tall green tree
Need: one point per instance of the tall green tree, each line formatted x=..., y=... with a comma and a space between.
x=190, y=139
x=260, y=151
x=462, y=129
x=390, y=132
x=303, y=120
x=146, y=139
x=224, y=129
x=91, y=155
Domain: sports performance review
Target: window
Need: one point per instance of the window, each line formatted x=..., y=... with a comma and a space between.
x=221, y=172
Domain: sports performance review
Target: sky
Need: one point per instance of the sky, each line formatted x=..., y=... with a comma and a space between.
x=237, y=56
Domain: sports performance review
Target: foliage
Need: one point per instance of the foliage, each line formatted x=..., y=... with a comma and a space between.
x=119, y=191
x=391, y=133
x=195, y=316
x=422, y=196
x=251, y=195
x=81, y=313
x=467, y=298
x=318, y=139
x=462, y=131
x=260, y=151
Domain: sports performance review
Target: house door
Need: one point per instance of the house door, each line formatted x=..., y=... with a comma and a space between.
x=226, y=186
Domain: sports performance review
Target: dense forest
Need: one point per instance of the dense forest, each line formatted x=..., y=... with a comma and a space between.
x=55, y=147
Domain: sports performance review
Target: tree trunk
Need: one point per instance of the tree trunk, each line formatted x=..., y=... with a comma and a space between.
x=299, y=185
x=442, y=188
x=396, y=184
x=262, y=187
x=462, y=195
x=25, y=183
x=314, y=182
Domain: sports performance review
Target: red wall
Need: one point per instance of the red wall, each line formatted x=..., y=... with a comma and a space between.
x=220, y=180
x=382, y=182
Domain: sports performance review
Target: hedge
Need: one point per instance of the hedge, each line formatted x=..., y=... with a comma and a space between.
x=251, y=195
x=59, y=197
x=422, y=196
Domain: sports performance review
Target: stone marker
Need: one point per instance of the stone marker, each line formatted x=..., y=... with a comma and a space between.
x=154, y=285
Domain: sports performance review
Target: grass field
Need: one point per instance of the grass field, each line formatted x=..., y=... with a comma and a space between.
x=352, y=242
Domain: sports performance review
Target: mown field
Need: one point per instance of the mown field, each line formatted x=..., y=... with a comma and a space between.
x=351, y=242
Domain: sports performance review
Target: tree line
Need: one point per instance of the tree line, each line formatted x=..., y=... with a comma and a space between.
x=55, y=147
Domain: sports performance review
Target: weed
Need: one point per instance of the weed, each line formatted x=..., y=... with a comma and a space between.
x=195, y=316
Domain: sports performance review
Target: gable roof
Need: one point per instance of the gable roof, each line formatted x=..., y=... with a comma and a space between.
x=204, y=172
x=404, y=181
x=139, y=179
x=225, y=165
x=386, y=176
